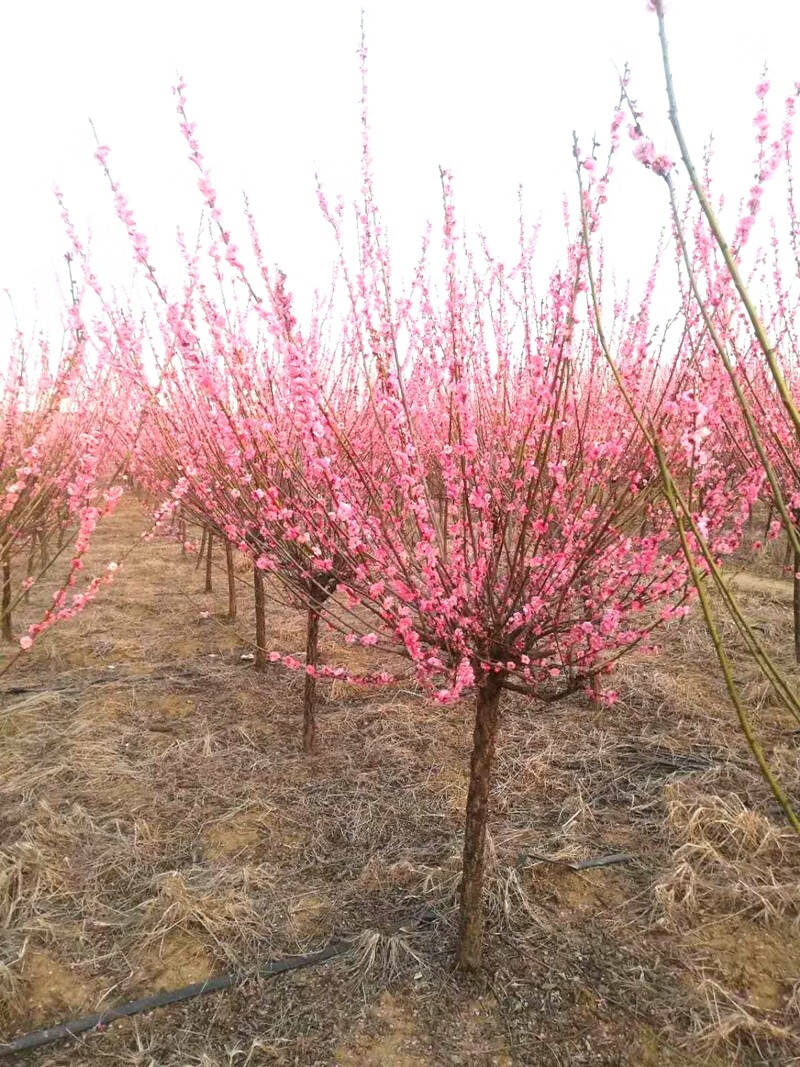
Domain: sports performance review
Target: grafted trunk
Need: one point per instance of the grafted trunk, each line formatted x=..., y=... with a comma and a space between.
x=209, y=550
x=261, y=620
x=487, y=719
x=310, y=691
x=231, y=581
x=6, y=608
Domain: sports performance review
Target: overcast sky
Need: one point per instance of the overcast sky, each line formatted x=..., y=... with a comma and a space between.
x=491, y=91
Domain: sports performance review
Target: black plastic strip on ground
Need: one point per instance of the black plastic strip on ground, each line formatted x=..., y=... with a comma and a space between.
x=161, y=1000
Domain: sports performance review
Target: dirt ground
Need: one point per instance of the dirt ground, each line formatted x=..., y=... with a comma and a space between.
x=159, y=824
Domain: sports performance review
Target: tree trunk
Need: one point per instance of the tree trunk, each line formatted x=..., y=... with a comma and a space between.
x=487, y=719
x=768, y=523
x=796, y=605
x=261, y=620
x=310, y=692
x=202, y=552
x=29, y=566
x=208, y=560
x=231, y=581
x=182, y=534
x=6, y=608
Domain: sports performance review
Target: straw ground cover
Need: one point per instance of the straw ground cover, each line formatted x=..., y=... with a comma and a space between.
x=159, y=824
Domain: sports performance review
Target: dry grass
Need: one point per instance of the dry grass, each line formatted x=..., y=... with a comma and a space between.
x=727, y=858
x=736, y=1024
x=384, y=956
x=159, y=823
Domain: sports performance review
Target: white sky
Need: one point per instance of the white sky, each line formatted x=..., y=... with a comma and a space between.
x=492, y=91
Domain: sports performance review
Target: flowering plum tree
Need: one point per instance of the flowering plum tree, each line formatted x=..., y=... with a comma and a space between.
x=461, y=466
x=54, y=486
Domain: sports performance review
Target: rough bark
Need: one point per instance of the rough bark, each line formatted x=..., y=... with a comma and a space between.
x=29, y=566
x=796, y=605
x=209, y=550
x=6, y=602
x=231, y=581
x=310, y=691
x=201, y=554
x=768, y=523
x=261, y=620
x=487, y=719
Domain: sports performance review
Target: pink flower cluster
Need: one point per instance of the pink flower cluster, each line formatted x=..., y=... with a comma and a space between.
x=458, y=457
